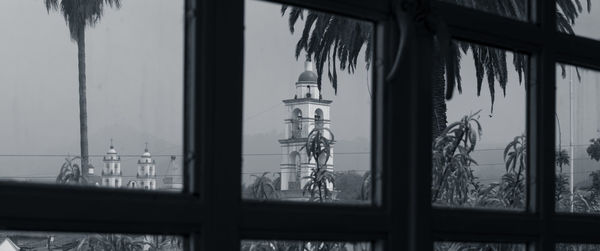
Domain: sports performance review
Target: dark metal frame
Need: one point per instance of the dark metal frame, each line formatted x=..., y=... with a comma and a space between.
x=210, y=212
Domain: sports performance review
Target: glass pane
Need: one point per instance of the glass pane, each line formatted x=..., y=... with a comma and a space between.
x=478, y=126
x=298, y=94
x=577, y=139
x=18, y=240
x=278, y=245
x=515, y=9
x=577, y=247
x=578, y=17
x=104, y=93
x=475, y=246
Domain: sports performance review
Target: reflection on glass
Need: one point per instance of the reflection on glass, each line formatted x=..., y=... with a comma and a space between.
x=516, y=9
x=577, y=140
x=474, y=246
x=304, y=96
x=578, y=17
x=17, y=240
x=279, y=245
x=92, y=93
x=577, y=247
x=479, y=144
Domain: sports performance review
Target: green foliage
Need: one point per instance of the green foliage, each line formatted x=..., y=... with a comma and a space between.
x=70, y=172
x=329, y=38
x=318, y=147
x=263, y=187
x=452, y=174
x=366, y=186
x=80, y=13
x=110, y=242
x=562, y=159
x=472, y=246
x=594, y=149
x=349, y=185
x=561, y=192
x=261, y=245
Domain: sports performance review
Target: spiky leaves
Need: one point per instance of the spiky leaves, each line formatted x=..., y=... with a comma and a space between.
x=70, y=172
x=318, y=147
x=328, y=38
x=453, y=177
x=263, y=187
x=80, y=13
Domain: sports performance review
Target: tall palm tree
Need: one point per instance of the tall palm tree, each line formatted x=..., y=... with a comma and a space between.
x=328, y=38
x=78, y=14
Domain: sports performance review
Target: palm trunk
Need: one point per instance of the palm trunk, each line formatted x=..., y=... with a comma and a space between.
x=83, y=132
x=439, y=119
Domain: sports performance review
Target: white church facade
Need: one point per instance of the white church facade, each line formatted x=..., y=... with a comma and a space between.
x=145, y=177
x=306, y=111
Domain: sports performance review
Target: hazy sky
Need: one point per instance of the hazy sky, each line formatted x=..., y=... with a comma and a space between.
x=271, y=71
x=135, y=76
x=134, y=58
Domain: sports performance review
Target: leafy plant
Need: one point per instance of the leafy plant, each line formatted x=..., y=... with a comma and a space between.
x=70, y=172
x=366, y=186
x=593, y=149
x=453, y=177
x=318, y=147
x=263, y=187
x=110, y=242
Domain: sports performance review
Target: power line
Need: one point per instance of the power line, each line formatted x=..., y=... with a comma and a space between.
x=281, y=154
x=91, y=155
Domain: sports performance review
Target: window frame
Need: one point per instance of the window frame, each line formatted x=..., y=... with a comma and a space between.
x=210, y=212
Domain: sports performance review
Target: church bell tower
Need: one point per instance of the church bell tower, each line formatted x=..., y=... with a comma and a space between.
x=306, y=110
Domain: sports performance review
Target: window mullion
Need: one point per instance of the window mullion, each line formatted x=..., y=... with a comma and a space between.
x=220, y=52
x=541, y=125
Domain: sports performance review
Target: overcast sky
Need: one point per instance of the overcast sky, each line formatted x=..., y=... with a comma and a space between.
x=134, y=58
x=135, y=75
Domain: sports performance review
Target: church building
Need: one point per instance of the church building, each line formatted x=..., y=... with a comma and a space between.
x=146, y=172
x=306, y=110
x=111, y=171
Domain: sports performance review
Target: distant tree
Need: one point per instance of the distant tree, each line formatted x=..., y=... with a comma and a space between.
x=70, y=173
x=263, y=187
x=366, y=186
x=562, y=181
x=78, y=14
x=348, y=185
x=593, y=149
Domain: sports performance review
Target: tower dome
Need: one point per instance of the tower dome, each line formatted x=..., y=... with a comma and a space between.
x=307, y=87
x=308, y=75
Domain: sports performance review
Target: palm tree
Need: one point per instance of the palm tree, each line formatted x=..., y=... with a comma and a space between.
x=328, y=38
x=78, y=14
